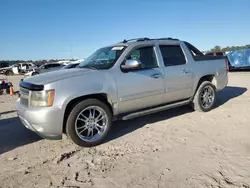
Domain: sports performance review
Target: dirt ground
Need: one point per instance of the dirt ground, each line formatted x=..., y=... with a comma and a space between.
x=175, y=148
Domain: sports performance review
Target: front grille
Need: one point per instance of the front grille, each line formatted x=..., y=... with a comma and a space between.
x=24, y=102
x=24, y=91
x=24, y=96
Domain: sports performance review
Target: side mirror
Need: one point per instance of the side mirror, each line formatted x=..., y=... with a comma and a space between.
x=131, y=64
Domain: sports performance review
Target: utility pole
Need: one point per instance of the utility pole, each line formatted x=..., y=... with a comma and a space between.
x=71, y=56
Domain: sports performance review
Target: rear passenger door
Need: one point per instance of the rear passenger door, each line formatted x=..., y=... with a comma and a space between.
x=178, y=74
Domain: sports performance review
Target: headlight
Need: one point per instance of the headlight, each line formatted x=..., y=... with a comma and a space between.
x=42, y=98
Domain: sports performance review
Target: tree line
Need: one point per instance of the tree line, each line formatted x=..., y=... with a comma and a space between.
x=40, y=62
x=228, y=48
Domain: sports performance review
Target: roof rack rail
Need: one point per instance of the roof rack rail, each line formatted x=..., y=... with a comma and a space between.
x=136, y=39
x=146, y=38
x=168, y=38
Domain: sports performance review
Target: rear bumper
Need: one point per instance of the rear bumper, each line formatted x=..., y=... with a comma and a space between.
x=45, y=121
x=221, y=81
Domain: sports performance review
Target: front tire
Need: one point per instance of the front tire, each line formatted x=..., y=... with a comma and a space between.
x=89, y=123
x=35, y=73
x=205, y=97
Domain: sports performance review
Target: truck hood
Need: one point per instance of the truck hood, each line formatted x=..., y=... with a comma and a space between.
x=46, y=78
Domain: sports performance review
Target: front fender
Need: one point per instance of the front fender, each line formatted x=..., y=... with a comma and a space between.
x=79, y=86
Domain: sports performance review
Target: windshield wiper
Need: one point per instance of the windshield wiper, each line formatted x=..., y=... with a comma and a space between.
x=89, y=67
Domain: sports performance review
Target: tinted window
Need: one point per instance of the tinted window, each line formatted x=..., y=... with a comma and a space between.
x=146, y=55
x=46, y=66
x=172, y=55
x=55, y=65
x=210, y=53
x=219, y=53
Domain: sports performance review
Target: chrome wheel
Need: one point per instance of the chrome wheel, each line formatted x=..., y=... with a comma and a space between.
x=207, y=96
x=91, y=123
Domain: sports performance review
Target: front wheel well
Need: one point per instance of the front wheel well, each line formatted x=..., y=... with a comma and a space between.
x=100, y=96
x=8, y=72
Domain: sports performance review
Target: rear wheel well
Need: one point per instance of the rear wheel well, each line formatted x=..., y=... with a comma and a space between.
x=209, y=78
x=101, y=96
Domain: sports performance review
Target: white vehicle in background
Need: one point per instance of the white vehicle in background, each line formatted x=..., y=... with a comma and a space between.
x=48, y=68
x=23, y=67
x=19, y=68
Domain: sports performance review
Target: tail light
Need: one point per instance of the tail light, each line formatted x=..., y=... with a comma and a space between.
x=227, y=65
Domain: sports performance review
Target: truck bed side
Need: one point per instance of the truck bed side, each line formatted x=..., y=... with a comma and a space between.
x=201, y=65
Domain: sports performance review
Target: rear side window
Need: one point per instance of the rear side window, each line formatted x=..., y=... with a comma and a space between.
x=172, y=55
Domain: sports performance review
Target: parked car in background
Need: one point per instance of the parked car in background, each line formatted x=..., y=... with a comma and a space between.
x=48, y=67
x=122, y=81
x=19, y=68
x=4, y=69
x=23, y=67
x=218, y=53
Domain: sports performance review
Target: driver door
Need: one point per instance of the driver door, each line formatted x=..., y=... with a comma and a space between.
x=142, y=88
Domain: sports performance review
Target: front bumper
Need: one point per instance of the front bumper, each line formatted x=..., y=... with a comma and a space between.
x=47, y=122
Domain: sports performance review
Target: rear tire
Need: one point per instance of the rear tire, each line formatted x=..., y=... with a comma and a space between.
x=205, y=97
x=9, y=73
x=83, y=122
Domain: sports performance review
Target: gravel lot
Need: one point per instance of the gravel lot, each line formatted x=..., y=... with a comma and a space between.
x=175, y=148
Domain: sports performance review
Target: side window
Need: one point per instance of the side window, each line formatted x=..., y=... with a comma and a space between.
x=146, y=55
x=219, y=53
x=172, y=55
x=55, y=65
x=74, y=65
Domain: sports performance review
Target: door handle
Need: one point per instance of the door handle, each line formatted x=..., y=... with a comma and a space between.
x=185, y=71
x=156, y=76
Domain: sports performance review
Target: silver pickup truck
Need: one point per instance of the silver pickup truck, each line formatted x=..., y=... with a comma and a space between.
x=122, y=81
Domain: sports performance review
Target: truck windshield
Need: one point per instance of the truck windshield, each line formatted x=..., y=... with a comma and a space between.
x=103, y=58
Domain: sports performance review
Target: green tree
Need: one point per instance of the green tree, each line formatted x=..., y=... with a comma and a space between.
x=216, y=48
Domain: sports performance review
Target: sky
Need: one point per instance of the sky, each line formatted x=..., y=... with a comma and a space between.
x=54, y=29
